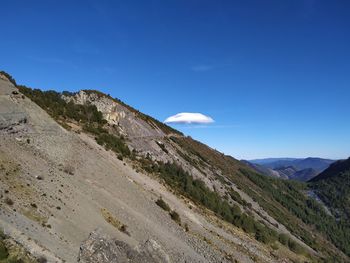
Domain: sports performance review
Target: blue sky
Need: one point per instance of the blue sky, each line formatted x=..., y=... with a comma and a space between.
x=274, y=75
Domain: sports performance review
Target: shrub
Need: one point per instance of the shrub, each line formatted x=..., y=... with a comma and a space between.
x=8, y=201
x=42, y=259
x=3, y=251
x=114, y=143
x=161, y=203
x=175, y=216
x=295, y=247
x=283, y=239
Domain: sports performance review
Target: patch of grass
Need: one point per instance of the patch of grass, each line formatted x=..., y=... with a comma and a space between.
x=161, y=203
x=283, y=239
x=175, y=216
x=112, y=220
x=11, y=252
x=32, y=214
x=114, y=143
x=3, y=251
x=197, y=191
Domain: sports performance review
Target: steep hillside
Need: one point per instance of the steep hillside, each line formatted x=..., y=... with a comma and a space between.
x=262, y=169
x=333, y=187
x=304, y=175
x=334, y=169
x=286, y=172
x=84, y=160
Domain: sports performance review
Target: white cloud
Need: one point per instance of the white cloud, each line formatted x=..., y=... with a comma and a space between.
x=189, y=118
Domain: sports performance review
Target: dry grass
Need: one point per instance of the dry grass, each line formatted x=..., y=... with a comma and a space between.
x=34, y=215
x=111, y=219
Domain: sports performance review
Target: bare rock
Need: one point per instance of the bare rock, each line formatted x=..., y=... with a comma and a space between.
x=102, y=249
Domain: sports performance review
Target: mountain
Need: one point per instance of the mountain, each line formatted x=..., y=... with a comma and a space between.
x=266, y=161
x=286, y=172
x=262, y=169
x=332, y=186
x=333, y=170
x=86, y=177
x=292, y=168
x=304, y=175
x=318, y=164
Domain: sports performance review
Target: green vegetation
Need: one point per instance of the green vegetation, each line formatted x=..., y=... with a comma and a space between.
x=284, y=239
x=335, y=192
x=161, y=203
x=3, y=251
x=197, y=191
x=175, y=216
x=284, y=200
x=114, y=143
x=9, y=77
x=59, y=109
x=13, y=253
x=87, y=115
x=290, y=195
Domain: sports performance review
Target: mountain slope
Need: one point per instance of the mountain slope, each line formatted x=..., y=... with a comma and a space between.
x=286, y=171
x=63, y=185
x=110, y=164
x=304, y=175
x=333, y=187
x=262, y=169
x=334, y=169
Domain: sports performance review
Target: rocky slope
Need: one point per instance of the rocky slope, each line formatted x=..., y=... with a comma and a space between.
x=64, y=183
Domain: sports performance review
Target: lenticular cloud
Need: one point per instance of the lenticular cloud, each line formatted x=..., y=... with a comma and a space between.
x=189, y=118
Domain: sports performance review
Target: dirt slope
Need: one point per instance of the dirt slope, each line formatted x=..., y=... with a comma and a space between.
x=63, y=186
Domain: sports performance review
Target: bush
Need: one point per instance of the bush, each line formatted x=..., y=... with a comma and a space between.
x=42, y=259
x=295, y=247
x=8, y=201
x=3, y=251
x=114, y=143
x=175, y=216
x=283, y=239
x=161, y=203
x=196, y=190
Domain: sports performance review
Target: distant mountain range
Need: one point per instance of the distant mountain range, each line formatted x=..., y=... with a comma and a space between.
x=291, y=168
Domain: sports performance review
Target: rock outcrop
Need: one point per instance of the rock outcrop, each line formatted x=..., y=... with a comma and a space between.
x=102, y=249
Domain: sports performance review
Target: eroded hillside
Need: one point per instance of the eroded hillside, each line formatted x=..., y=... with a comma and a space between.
x=85, y=161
